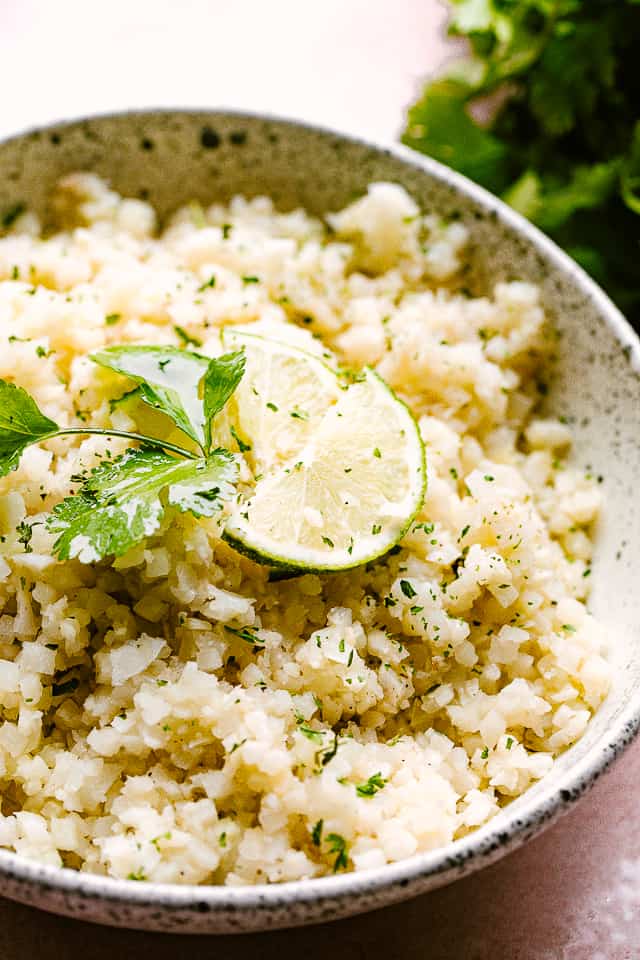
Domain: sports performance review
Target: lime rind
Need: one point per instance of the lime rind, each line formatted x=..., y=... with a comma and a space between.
x=272, y=337
x=234, y=335
x=267, y=550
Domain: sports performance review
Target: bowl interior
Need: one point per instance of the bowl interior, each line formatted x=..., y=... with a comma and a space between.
x=171, y=158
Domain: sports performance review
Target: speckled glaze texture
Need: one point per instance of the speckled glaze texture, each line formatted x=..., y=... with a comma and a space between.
x=172, y=157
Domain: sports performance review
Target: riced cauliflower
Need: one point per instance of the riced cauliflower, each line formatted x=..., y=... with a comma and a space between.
x=383, y=711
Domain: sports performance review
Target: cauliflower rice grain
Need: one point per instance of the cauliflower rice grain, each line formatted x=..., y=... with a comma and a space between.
x=388, y=710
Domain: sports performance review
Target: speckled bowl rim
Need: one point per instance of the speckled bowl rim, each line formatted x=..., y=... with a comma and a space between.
x=485, y=845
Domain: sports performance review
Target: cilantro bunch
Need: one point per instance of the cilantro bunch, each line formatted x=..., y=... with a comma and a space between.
x=563, y=148
x=122, y=500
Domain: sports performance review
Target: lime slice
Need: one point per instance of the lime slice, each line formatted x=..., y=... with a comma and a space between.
x=348, y=496
x=281, y=331
x=279, y=402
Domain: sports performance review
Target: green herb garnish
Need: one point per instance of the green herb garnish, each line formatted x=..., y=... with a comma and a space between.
x=323, y=757
x=21, y=424
x=25, y=532
x=338, y=845
x=310, y=733
x=245, y=634
x=242, y=446
x=563, y=146
x=407, y=589
x=371, y=786
x=316, y=833
x=427, y=527
x=122, y=500
x=163, y=836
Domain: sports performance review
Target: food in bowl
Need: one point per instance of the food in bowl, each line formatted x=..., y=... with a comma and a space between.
x=177, y=711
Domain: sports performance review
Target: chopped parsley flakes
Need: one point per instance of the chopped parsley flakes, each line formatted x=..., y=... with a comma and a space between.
x=338, y=845
x=208, y=284
x=245, y=634
x=310, y=733
x=407, y=589
x=242, y=446
x=316, y=833
x=371, y=786
x=24, y=531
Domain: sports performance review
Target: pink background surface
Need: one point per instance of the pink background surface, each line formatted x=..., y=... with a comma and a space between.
x=572, y=894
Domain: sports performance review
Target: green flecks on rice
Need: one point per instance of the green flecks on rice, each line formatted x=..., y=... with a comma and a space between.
x=177, y=716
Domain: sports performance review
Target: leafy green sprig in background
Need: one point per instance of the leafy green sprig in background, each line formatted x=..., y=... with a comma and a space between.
x=122, y=500
x=564, y=146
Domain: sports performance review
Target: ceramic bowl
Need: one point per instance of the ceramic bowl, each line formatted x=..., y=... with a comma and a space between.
x=172, y=157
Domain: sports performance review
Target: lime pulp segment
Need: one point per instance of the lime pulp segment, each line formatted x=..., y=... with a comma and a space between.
x=347, y=496
x=279, y=402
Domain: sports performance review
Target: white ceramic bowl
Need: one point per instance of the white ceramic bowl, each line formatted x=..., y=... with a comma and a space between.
x=172, y=157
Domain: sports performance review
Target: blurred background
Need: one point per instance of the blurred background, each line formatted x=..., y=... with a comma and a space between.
x=353, y=64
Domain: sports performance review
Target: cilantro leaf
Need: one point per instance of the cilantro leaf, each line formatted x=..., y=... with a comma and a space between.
x=551, y=203
x=631, y=172
x=21, y=423
x=169, y=380
x=371, y=786
x=440, y=122
x=220, y=380
x=545, y=111
x=123, y=501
